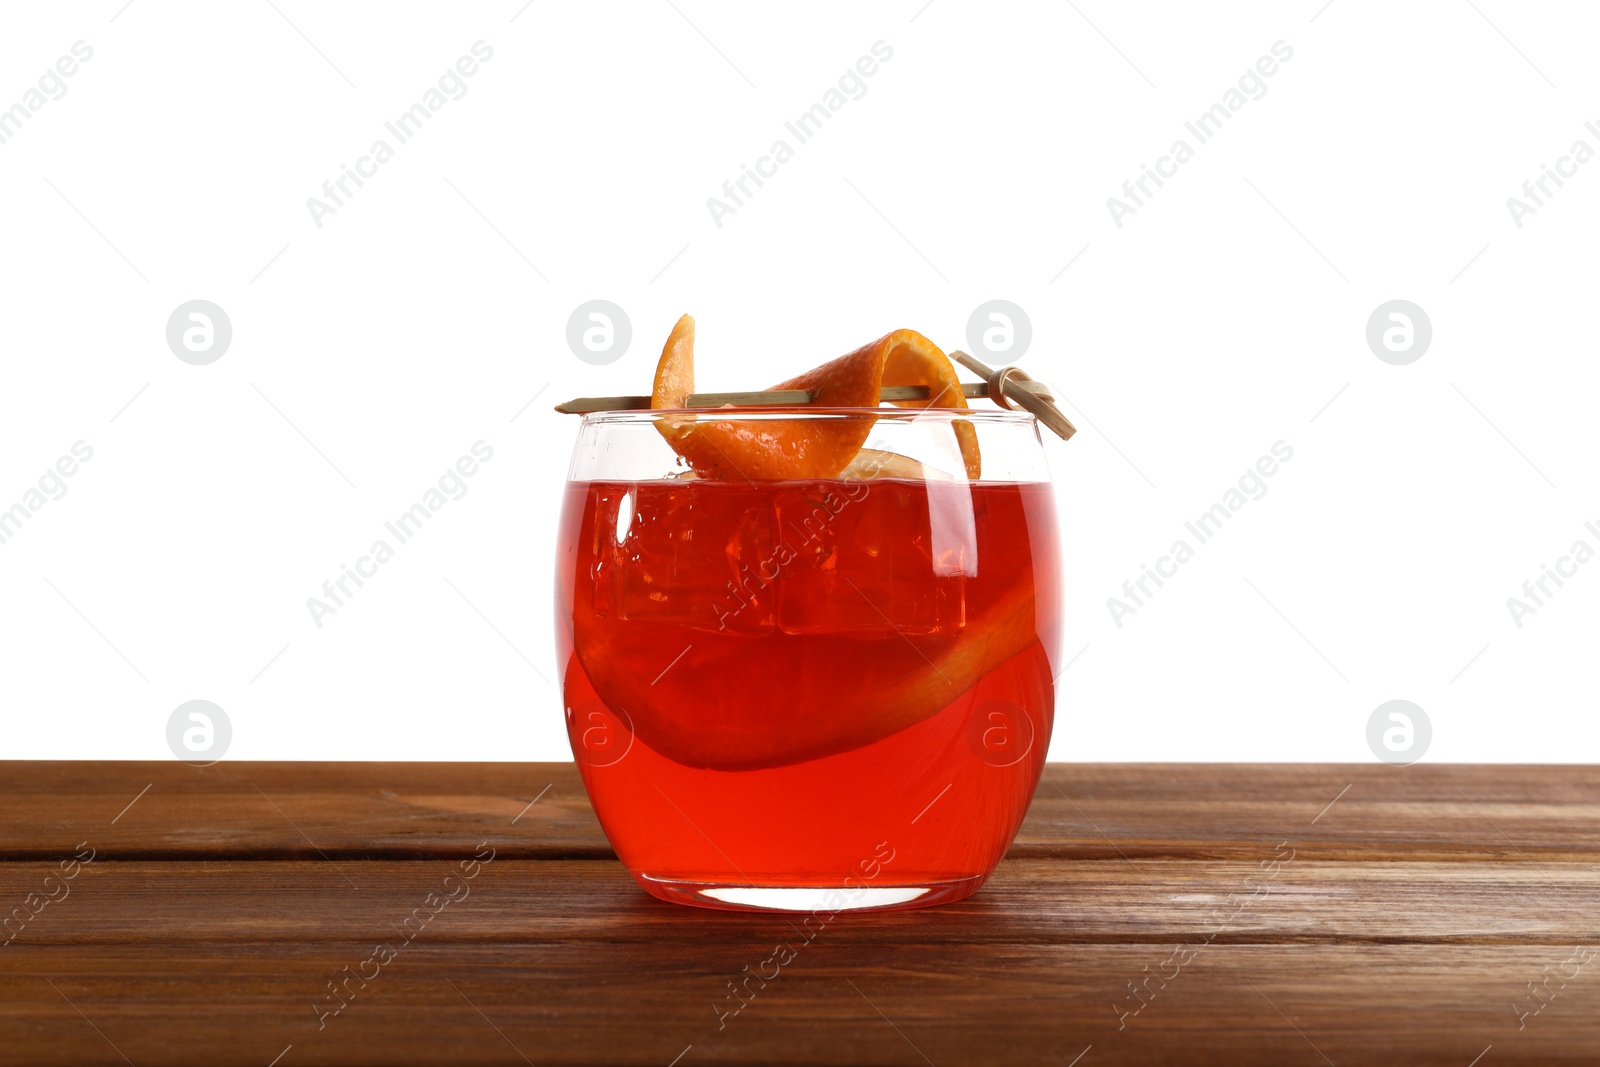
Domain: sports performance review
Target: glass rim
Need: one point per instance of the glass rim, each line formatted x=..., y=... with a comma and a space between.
x=1000, y=416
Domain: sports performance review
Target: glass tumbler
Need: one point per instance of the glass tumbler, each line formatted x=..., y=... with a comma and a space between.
x=810, y=695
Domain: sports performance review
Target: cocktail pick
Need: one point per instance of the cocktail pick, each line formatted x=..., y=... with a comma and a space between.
x=776, y=397
x=1007, y=387
x=1011, y=387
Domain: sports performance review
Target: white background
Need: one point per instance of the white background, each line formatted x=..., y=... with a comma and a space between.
x=1227, y=314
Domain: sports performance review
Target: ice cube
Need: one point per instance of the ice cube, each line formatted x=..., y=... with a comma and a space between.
x=863, y=557
x=691, y=554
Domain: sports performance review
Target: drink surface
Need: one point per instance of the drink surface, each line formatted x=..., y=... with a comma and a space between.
x=792, y=670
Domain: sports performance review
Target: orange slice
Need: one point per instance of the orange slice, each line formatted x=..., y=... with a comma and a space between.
x=719, y=707
x=775, y=449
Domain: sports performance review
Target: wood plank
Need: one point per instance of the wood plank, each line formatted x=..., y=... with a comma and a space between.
x=1081, y=811
x=1036, y=901
x=839, y=1000
x=296, y=810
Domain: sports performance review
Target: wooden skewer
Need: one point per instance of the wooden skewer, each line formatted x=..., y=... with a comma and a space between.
x=1007, y=386
x=779, y=397
x=585, y=404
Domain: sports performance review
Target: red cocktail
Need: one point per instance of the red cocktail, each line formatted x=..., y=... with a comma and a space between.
x=815, y=693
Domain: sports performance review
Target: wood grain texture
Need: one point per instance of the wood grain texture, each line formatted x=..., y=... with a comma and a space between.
x=1406, y=928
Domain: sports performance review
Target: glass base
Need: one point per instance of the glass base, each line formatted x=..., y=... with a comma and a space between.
x=826, y=899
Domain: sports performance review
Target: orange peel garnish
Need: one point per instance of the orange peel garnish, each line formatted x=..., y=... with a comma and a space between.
x=674, y=379
x=777, y=449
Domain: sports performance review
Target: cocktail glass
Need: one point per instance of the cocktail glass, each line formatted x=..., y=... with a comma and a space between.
x=813, y=695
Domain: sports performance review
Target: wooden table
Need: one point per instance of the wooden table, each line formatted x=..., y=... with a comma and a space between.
x=1273, y=914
